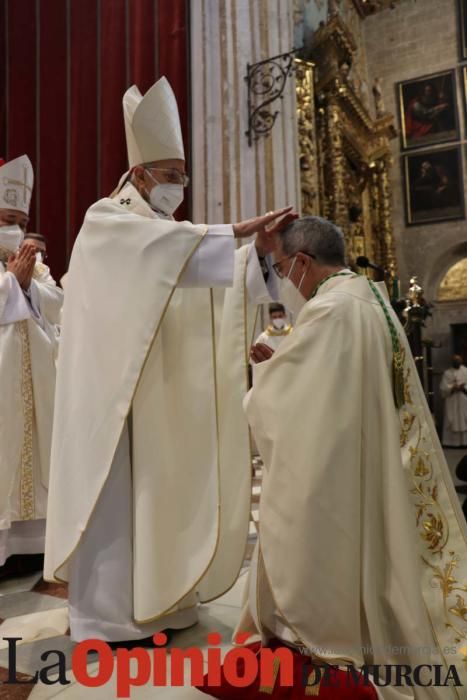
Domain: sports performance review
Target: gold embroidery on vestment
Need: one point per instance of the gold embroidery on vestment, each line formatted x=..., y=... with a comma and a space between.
x=268, y=690
x=431, y=521
x=26, y=474
x=312, y=687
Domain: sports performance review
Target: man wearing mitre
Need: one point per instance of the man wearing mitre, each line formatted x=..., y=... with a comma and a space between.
x=28, y=311
x=362, y=555
x=150, y=485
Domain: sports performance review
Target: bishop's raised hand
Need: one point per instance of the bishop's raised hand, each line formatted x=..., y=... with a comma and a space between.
x=267, y=237
x=249, y=227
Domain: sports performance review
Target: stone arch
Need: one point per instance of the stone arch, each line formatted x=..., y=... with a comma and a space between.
x=453, y=286
x=440, y=267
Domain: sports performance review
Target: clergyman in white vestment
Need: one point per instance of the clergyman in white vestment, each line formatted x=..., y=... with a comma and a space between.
x=454, y=391
x=362, y=554
x=150, y=476
x=29, y=311
x=278, y=328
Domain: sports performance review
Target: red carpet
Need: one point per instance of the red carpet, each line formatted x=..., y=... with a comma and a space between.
x=308, y=681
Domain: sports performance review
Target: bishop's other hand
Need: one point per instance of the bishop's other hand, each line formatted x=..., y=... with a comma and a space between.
x=260, y=352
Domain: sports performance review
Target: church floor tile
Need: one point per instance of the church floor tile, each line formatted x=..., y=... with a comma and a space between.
x=20, y=584
x=28, y=656
x=57, y=590
x=14, y=692
x=27, y=602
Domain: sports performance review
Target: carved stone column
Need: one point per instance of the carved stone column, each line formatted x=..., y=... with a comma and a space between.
x=387, y=238
x=334, y=164
x=321, y=130
x=376, y=212
x=308, y=157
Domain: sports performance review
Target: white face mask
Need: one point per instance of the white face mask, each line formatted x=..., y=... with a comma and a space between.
x=278, y=323
x=165, y=197
x=11, y=237
x=290, y=295
x=39, y=257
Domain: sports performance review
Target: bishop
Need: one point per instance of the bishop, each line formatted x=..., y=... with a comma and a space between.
x=29, y=311
x=149, y=434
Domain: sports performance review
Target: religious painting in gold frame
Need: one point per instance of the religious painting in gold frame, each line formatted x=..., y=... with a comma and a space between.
x=434, y=188
x=428, y=110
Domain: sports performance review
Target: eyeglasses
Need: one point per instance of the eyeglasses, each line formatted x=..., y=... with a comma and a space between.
x=276, y=266
x=174, y=177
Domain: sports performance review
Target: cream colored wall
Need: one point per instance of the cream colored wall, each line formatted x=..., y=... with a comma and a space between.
x=232, y=180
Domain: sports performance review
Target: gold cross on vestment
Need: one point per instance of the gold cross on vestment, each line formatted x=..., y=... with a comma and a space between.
x=24, y=185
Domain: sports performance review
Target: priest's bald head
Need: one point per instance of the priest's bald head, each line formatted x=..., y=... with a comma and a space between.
x=310, y=249
x=155, y=146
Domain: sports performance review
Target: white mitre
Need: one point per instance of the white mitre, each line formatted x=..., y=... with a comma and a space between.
x=152, y=124
x=16, y=183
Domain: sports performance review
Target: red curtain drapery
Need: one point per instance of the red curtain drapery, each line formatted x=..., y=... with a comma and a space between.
x=64, y=66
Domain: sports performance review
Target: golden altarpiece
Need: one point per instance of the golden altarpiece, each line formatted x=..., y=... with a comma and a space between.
x=345, y=155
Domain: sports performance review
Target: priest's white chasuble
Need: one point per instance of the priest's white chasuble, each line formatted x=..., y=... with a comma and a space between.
x=273, y=337
x=28, y=340
x=362, y=553
x=455, y=407
x=150, y=476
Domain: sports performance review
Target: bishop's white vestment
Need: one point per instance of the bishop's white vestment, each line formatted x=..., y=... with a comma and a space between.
x=150, y=476
x=455, y=407
x=28, y=340
x=362, y=553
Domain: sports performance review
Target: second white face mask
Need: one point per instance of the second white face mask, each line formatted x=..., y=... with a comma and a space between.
x=278, y=323
x=290, y=296
x=11, y=237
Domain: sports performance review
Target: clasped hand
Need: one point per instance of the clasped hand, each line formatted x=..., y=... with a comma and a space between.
x=21, y=265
